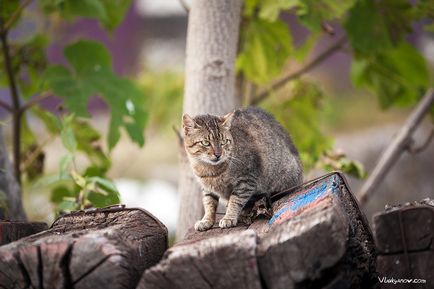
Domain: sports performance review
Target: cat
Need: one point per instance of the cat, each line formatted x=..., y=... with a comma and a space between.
x=236, y=157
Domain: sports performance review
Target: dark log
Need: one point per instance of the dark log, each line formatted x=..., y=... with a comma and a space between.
x=317, y=238
x=412, y=226
x=404, y=236
x=105, y=248
x=13, y=230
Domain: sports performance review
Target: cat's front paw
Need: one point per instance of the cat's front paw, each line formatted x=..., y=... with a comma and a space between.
x=227, y=222
x=203, y=225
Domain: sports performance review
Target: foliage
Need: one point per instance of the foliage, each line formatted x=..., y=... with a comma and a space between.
x=163, y=90
x=383, y=61
x=88, y=73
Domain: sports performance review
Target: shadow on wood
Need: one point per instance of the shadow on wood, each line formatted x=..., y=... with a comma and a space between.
x=105, y=248
x=317, y=238
x=14, y=230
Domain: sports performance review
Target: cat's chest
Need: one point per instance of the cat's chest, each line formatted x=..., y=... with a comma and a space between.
x=220, y=185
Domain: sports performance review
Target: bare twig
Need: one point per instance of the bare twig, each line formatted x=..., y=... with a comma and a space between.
x=294, y=75
x=396, y=148
x=184, y=5
x=415, y=150
x=5, y=106
x=35, y=100
x=14, y=16
x=16, y=112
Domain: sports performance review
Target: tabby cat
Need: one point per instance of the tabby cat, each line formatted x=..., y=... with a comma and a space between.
x=238, y=156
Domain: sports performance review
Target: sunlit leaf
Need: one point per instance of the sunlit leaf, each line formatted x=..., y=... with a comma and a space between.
x=266, y=47
x=91, y=75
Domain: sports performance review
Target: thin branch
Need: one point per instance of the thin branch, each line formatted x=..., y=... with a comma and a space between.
x=5, y=106
x=415, y=150
x=396, y=148
x=15, y=15
x=35, y=100
x=184, y=5
x=16, y=112
x=294, y=75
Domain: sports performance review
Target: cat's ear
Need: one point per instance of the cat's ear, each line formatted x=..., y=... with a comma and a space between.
x=227, y=120
x=188, y=123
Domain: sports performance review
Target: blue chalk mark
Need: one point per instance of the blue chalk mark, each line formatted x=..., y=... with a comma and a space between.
x=278, y=214
x=310, y=196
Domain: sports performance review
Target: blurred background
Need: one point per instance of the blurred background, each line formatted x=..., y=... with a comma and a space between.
x=148, y=47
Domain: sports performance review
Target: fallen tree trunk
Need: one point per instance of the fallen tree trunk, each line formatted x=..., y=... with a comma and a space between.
x=105, y=248
x=317, y=238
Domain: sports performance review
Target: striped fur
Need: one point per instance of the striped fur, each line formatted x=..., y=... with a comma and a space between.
x=238, y=156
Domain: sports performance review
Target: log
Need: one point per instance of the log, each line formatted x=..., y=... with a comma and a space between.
x=404, y=236
x=104, y=248
x=316, y=238
x=14, y=230
x=411, y=225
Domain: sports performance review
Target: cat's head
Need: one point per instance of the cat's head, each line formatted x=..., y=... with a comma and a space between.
x=207, y=138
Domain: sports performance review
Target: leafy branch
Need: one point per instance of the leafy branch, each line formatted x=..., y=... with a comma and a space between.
x=294, y=75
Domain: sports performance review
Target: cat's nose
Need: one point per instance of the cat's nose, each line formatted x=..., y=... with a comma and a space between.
x=217, y=154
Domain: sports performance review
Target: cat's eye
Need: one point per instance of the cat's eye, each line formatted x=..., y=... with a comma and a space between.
x=224, y=141
x=205, y=143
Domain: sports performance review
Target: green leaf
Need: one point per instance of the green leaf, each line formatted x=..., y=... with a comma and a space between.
x=366, y=28
x=72, y=8
x=353, y=168
x=67, y=136
x=399, y=76
x=88, y=140
x=265, y=49
x=87, y=57
x=51, y=122
x=64, y=163
x=91, y=75
x=270, y=9
x=79, y=180
x=68, y=205
x=99, y=200
x=116, y=10
x=60, y=192
x=75, y=92
x=110, y=13
x=313, y=13
x=104, y=183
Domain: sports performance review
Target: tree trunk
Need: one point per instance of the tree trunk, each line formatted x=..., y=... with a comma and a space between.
x=12, y=207
x=212, y=39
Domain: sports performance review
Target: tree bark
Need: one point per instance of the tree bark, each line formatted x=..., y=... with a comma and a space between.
x=9, y=188
x=212, y=40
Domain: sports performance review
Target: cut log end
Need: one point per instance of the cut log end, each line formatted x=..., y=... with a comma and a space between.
x=102, y=249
